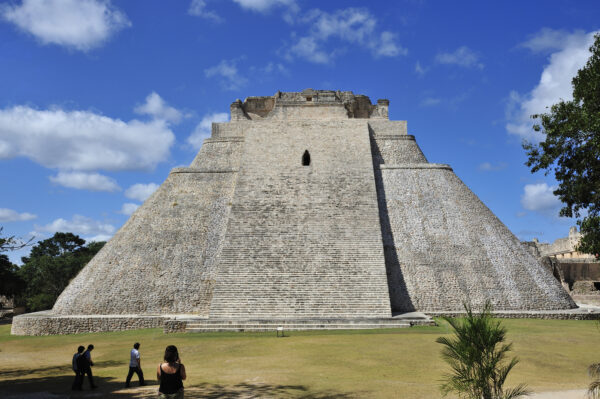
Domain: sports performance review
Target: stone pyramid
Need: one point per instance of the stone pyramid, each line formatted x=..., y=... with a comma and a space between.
x=310, y=205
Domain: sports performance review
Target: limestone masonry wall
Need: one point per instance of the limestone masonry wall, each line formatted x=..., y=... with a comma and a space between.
x=303, y=241
x=451, y=249
x=163, y=259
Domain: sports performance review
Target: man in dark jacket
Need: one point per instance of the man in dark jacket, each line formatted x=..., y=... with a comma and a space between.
x=87, y=364
x=77, y=369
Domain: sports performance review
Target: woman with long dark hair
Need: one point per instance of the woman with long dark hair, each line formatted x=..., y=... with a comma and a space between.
x=171, y=374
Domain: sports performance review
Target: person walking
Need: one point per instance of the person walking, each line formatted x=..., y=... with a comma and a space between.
x=77, y=369
x=87, y=364
x=135, y=365
x=171, y=374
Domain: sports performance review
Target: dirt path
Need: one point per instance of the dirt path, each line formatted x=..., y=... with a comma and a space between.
x=570, y=394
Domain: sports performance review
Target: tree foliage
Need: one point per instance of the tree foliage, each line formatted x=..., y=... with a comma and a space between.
x=10, y=282
x=571, y=150
x=50, y=266
x=477, y=355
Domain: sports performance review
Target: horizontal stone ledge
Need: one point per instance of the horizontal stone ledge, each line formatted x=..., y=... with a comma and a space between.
x=416, y=166
x=573, y=314
x=399, y=136
x=200, y=170
x=225, y=139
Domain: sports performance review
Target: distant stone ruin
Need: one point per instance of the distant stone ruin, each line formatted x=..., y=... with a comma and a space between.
x=578, y=272
x=305, y=206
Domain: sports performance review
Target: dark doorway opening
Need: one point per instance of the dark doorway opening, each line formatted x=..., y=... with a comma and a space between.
x=306, y=158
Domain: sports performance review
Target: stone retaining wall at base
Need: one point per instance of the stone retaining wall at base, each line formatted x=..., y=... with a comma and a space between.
x=43, y=323
x=174, y=326
x=579, y=315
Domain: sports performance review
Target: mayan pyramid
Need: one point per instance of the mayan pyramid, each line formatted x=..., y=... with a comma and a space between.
x=310, y=205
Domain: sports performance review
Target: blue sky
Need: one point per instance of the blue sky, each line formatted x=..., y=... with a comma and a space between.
x=99, y=99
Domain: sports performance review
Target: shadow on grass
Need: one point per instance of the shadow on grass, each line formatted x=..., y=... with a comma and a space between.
x=50, y=370
x=59, y=387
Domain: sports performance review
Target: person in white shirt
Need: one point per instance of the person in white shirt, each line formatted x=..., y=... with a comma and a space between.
x=135, y=365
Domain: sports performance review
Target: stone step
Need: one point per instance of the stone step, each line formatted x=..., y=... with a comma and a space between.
x=272, y=327
x=191, y=324
x=243, y=328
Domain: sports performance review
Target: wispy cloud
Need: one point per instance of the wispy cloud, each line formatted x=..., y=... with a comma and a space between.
x=264, y=6
x=553, y=40
x=430, y=102
x=462, y=56
x=77, y=24
x=198, y=8
x=227, y=71
x=419, y=69
x=352, y=26
x=490, y=167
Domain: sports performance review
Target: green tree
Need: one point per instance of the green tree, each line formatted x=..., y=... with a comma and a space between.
x=477, y=355
x=50, y=266
x=11, y=284
x=571, y=150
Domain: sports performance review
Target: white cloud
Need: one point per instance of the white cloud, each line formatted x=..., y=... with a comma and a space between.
x=82, y=140
x=462, y=56
x=203, y=129
x=85, y=181
x=554, y=84
x=128, y=208
x=266, y=5
x=9, y=215
x=354, y=26
x=158, y=108
x=78, y=24
x=79, y=225
x=489, y=167
x=140, y=191
x=198, y=9
x=230, y=76
x=539, y=197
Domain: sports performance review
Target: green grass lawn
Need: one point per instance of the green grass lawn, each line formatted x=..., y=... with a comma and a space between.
x=327, y=364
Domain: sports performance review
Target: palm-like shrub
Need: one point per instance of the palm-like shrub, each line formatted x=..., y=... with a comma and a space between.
x=477, y=355
x=594, y=387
